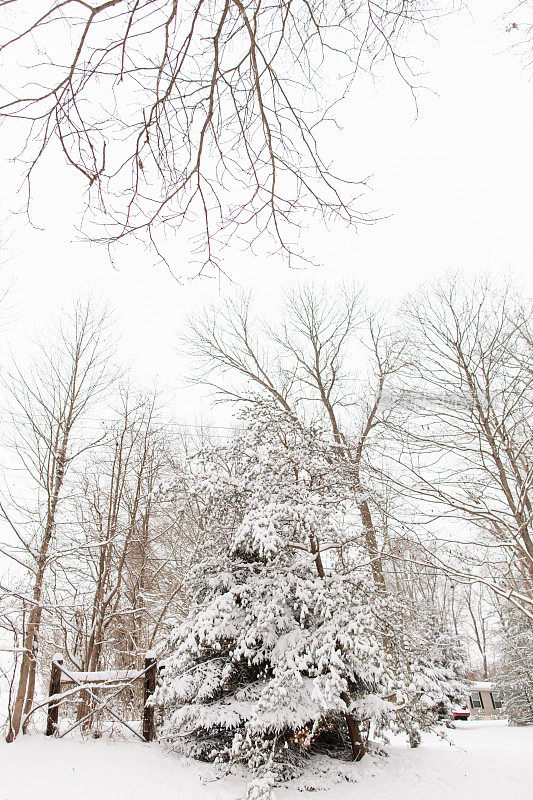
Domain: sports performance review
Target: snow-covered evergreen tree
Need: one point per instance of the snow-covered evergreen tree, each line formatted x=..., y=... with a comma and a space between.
x=284, y=650
x=515, y=670
x=438, y=647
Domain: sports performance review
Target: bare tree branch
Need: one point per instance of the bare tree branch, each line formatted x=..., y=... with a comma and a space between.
x=195, y=114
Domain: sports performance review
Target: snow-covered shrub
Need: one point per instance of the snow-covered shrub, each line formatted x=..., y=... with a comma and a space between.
x=283, y=646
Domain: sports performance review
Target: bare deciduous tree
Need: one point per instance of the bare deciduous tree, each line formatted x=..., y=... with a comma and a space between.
x=480, y=616
x=468, y=456
x=303, y=364
x=518, y=20
x=49, y=402
x=122, y=569
x=199, y=111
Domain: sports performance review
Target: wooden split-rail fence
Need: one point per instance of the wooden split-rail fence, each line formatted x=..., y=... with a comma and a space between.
x=65, y=684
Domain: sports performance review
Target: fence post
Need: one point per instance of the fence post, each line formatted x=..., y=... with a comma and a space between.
x=55, y=688
x=150, y=665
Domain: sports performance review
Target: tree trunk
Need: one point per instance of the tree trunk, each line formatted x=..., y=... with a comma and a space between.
x=150, y=666
x=354, y=731
x=53, y=707
x=29, y=693
x=372, y=544
x=26, y=683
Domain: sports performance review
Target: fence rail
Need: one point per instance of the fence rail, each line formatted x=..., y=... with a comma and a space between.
x=90, y=682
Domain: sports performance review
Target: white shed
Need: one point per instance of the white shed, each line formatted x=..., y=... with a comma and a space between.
x=484, y=701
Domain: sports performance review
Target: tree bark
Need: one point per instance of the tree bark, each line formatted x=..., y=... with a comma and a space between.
x=53, y=706
x=150, y=665
x=354, y=731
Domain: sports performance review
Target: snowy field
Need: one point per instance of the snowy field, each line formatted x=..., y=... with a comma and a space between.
x=487, y=761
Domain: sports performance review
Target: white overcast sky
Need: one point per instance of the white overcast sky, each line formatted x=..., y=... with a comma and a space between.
x=457, y=182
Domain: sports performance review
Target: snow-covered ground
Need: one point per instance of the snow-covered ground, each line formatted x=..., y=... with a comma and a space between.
x=487, y=761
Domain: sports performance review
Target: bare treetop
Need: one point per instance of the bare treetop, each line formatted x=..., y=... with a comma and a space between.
x=199, y=114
